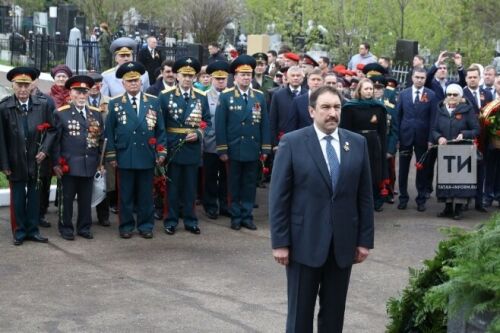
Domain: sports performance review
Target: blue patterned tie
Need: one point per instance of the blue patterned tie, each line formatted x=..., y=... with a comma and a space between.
x=333, y=161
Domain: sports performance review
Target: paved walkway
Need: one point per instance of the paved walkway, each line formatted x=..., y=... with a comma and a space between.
x=220, y=281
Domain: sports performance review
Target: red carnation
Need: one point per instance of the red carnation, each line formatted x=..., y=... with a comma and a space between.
x=476, y=142
x=262, y=158
x=160, y=148
x=384, y=192
x=152, y=141
x=62, y=161
x=203, y=125
x=419, y=166
x=65, y=168
x=265, y=171
x=43, y=127
x=487, y=122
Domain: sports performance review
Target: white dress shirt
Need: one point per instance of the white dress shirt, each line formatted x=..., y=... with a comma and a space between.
x=322, y=142
x=137, y=101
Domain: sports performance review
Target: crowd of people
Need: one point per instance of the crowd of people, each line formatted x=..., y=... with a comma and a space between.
x=171, y=134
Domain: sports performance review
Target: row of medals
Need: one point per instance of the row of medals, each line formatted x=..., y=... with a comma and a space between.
x=194, y=117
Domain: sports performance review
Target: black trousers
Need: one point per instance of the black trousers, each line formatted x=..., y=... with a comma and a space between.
x=102, y=209
x=44, y=194
x=330, y=283
x=81, y=186
x=422, y=179
x=215, y=191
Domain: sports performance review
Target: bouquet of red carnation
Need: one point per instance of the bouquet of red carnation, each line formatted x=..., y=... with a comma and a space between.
x=42, y=128
x=383, y=186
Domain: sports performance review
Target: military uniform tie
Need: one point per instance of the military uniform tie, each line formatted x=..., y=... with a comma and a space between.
x=245, y=97
x=186, y=97
x=333, y=161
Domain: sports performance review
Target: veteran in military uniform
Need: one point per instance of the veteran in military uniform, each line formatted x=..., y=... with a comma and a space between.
x=186, y=113
x=123, y=49
x=242, y=136
x=26, y=136
x=80, y=130
x=136, y=143
x=214, y=170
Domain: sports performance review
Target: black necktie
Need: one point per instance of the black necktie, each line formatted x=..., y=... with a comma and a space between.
x=94, y=102
x=476, y=100
x=295, y=93
x=245, y=97
x=82, y=113
x=417, y=97
x=24, y=107
x=186, y=97
x=134, y=104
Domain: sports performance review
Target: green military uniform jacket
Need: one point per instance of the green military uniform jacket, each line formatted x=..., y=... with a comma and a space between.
x=242, y=128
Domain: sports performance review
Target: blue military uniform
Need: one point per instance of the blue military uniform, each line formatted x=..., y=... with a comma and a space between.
x=183, y=113
x=136, y=138
x=79, y=136
x=111, y=85
x=242, y=133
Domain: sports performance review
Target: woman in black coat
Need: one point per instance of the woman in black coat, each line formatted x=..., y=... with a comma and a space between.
x=368, y=117
x=455, y=120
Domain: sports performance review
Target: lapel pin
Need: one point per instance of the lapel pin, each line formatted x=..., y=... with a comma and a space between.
x=346, y=146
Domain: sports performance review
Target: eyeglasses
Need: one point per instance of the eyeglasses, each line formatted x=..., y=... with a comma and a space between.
x=452, y=94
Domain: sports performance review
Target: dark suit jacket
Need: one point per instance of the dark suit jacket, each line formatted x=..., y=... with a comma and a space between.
x=484, y=95
x=281, y=117
x=156, y=88
x=151, y=64
x=300, y=107
x=415, y=120
x=305, y=214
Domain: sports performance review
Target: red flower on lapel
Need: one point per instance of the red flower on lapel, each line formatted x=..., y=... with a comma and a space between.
x=424, y=98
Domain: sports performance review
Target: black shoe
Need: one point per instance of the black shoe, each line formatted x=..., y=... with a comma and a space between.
x=38, y=238
x=125, y=235
x=447, y=211
x=87, y=235
x=44, y=223
x=18, y=242
x=104, y=223
x=249, y=225
x=457, y=214
x=158, y=216
x=113, y=209
x=170, y=230
x=379, y=209
x=481, y=209
x=235, y=226
x=402, y=205
x=194, y=230
x=421, y=207
x=146, y=234
x=212, y=215
x=68, y=237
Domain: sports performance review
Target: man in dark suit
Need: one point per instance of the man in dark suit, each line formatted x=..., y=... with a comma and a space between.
x=478, y=98
x=416, y=110
x=80, y=130
x=165, y=81
x=150, y=58
x=300, y=104
x=437, y=76
x=281, y=118
x=321, y=213
x=136, y=144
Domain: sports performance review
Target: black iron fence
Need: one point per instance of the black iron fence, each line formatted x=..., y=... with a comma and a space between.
x=45, y=52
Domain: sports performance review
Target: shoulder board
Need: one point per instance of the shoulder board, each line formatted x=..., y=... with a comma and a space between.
x=109, y=70
x=93, y=108
x=390, y=88
x=152, y=96
x=228, y=90
x=258, y=91
x=201, y=92
x=64, y=108
x=166, y=90
x=115, y=97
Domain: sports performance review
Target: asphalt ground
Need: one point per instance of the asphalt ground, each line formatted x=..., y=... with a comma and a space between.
x=219, y=281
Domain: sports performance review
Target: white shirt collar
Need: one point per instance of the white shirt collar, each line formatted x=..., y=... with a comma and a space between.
x=322, y=135
x=292, y=89
x=185, y=91
x=137, y=97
